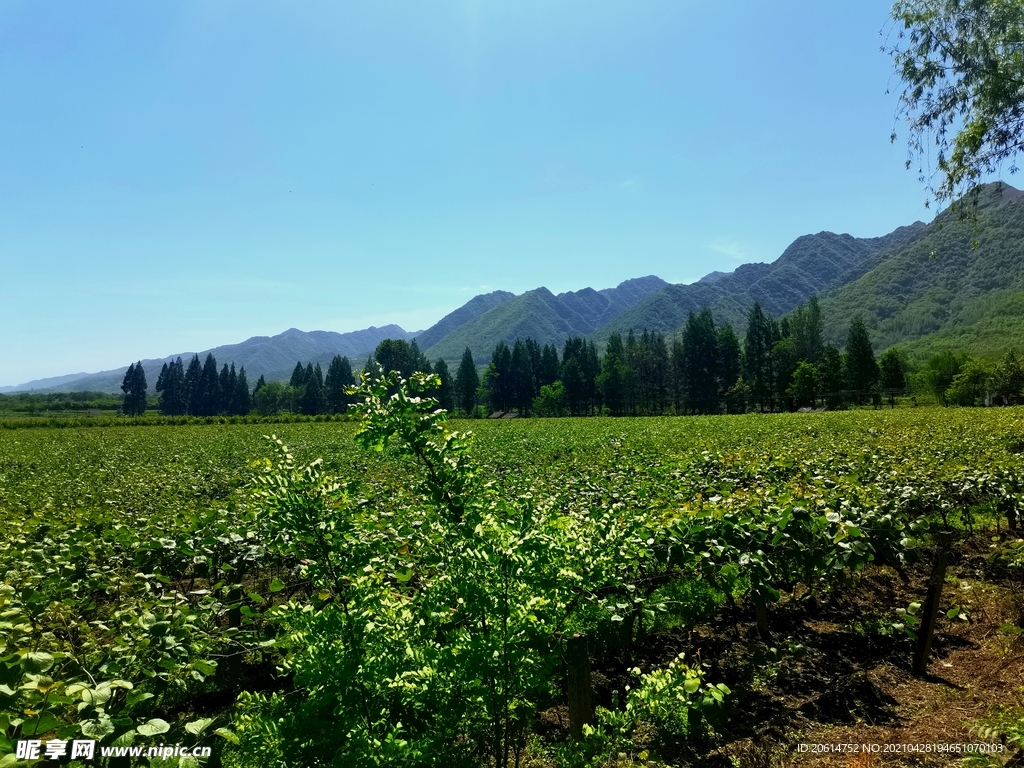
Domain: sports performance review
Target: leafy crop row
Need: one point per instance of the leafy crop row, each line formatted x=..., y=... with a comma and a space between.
x=408, y=603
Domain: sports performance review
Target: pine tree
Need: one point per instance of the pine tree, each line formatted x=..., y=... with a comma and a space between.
x=757, y=346
x=467, y=382
x=678, y=376
x=700, y=345
x=830, y=377
x=730, y=358
x=298, y=379
x=446, y=392
x=613, y=373
x=242, y=399
x=549, y=366
x=313, y=400
x=171, y=386
x=339, y=377
x=134, y=388
x=808, y=332
x=861, y=368
x=522, y=388
x=208, y=393
x=226, y=384
x=193, y=395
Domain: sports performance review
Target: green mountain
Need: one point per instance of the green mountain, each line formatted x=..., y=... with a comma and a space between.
x=471, y=310
x=810, y=265
x=541, y=315
x=958, y=285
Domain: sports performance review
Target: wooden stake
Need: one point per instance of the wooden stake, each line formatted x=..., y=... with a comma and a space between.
x=931, y=604
x=581, y=708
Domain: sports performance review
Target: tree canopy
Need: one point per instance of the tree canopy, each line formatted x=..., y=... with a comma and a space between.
x=962, y=67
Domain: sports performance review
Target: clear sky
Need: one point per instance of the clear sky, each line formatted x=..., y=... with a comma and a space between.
x=179, y=175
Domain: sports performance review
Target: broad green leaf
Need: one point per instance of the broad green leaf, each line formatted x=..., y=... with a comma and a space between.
x=196, y=727
x=37, y=662
x=153, y=727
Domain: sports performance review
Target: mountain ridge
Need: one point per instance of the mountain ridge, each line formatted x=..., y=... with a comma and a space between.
x=950, y=284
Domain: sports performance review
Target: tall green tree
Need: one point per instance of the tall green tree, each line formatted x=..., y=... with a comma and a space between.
x=757, y=349
x=170, y=385
x=892, y=372
x=962, y=70
x=612, y=378
x=312, y=398
x=497, y=379
x=242, y=400
x=1008, y=379
x=467, y=382
x=700, y=350
x=134, y=388
x=298, y=379
x=972, y=385
x=446, y=392
x=399, y=355
x=861, y=366
x=338, y=379
x=678, y=376
x=193, y=394
x=803, y=388
x=807, y=329
x=228, y=379
x=730, y=358
x=549, y=366
x=522, y=384
x=831, y=378
x=939, y=371
x=208, y=393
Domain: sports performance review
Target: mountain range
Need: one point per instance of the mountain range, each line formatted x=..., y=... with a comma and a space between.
x=954, y=283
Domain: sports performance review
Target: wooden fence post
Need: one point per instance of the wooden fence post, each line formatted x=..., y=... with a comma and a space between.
x=931, y=603
x=581, y=708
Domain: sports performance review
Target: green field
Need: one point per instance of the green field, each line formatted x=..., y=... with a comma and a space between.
x=191, y=585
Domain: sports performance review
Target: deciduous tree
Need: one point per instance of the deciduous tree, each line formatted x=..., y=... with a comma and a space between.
x=962, y=69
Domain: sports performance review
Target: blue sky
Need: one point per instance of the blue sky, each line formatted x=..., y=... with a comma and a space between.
x=179, y=175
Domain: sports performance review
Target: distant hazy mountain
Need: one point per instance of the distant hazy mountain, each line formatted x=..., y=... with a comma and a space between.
x=958, y=284
x=542, y=316
x=271, y=356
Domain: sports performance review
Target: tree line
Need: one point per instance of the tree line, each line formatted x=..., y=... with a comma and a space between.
x=705, y=369
x=780, y=365
x=203, y=390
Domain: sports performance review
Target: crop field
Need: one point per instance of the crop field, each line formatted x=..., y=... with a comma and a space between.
x=384, y=592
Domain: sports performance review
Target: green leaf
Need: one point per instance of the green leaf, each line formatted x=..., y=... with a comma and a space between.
x=224, y=733
x=126, y=739
x=206, y=667
x=953, y=612
x=154, y=727
x=691, y=685
x=404, y=575
x=97, y=729
x=913, y=608
x=134, y=697
x=44, y=722
x=196, y=727
x=276, y=585
x=37, y=662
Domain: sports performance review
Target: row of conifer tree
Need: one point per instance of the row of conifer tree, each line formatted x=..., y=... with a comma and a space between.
x=780, y=364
